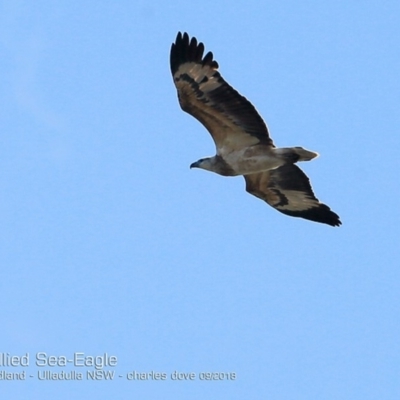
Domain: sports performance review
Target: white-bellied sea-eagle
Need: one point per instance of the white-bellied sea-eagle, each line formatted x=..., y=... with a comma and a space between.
x=241, y=137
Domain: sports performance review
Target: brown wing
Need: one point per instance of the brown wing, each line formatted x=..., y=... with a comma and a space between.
x=288, y=190
x=231, y=119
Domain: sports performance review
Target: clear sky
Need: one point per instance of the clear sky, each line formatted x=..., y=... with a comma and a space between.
x=109, y=243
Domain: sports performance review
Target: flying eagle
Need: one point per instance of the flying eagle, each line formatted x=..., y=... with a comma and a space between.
x=241, y=137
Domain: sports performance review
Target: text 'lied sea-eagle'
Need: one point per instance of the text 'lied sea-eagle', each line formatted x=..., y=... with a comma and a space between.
x=241, y=137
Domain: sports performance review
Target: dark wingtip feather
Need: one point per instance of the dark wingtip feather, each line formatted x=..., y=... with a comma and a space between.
x=200, y=51
x=322, y=214
x=193, y=49
x=186, y=50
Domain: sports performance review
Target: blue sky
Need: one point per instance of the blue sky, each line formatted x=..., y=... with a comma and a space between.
x=109, y=243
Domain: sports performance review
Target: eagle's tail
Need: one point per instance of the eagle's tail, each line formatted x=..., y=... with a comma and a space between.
x=295, y=154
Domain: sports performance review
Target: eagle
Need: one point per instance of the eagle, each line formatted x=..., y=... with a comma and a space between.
x=243, y=144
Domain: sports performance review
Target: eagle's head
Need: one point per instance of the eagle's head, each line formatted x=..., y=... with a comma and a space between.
x=204, y=163
x=214, y=164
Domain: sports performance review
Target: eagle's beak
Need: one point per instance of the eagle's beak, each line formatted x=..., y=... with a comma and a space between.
x=194, y=165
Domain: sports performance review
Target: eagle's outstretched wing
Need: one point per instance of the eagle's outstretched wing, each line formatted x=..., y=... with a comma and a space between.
x=288, y=190
x=231, y=119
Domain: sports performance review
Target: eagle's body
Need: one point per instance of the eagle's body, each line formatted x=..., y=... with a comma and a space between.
x=242, y=140
x=254, y=159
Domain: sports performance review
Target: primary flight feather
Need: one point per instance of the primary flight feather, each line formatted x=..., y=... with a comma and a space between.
x=241, y=137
